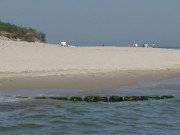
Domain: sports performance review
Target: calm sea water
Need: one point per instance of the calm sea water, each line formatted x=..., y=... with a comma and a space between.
x=28, y=116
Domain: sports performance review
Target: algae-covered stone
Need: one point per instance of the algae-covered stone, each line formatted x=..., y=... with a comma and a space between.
x=95, y=99
x=115, y=99
x=76, y=99
x=40, y=97
x=151, y=97
x=140, y=98
x=90, y=99
x=166, y=97
x=102, y=99
x=128, y=98
x=59, y=98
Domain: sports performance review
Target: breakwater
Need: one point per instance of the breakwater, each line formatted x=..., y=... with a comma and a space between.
x=107, y=99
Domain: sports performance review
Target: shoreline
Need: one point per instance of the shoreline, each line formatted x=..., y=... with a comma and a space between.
x=84, y=81
x=39, y=65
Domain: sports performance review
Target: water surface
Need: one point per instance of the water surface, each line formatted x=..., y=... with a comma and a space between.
x=29, y=116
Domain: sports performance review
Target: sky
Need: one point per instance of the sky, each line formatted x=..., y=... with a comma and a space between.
x=93, y=22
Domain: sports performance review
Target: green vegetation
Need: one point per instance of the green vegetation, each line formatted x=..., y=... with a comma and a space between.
x=40, y=98
x=12, y=31
x=95, y=99
x=115, y=99
x=166, y=97
x=141, y=98
x=59, y=98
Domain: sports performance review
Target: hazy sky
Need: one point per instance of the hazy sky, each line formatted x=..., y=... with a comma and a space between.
x=90, y=22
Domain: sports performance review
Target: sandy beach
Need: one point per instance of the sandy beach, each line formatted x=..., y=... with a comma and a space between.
x=39, y=65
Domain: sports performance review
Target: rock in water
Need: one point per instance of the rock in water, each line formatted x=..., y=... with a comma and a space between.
x=151, y=97
x=95, y=99
x=40, y=98
x=76, y=99
x=102, y=99
x=59, y=98
x=166, y=97
x=127, y=98
x=90, y=99
x=115, y=99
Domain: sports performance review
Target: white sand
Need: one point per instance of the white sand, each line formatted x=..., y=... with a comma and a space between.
x=36, y=65
x=16, y=56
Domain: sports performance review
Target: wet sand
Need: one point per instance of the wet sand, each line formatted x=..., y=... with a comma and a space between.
x=86, y=81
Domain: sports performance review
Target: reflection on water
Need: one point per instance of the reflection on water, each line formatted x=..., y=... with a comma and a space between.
x=33, y=116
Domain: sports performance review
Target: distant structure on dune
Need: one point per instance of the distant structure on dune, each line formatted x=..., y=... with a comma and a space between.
x=63, y=44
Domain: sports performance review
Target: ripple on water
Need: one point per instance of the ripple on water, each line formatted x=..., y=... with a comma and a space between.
x=98, y=118
x=29, y=116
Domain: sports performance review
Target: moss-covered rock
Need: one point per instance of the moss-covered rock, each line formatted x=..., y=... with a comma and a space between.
x=115, y=99
x=40, y=98
x=151, y=97
x=59, y=98
x=90, y=99
x=95, y=99
x=139, y=98
x=102, y=99
x=130, y=98
x=105, y=99
x=76, y=99
x=166, y=97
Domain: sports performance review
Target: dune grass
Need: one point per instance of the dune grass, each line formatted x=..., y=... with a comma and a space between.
x=16, y=32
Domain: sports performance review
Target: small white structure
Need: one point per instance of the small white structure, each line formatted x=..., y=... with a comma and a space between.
x=146, y=45
x=63, y=44
x=136, y=45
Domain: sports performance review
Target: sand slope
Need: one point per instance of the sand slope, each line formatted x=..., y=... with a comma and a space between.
x=81, y=67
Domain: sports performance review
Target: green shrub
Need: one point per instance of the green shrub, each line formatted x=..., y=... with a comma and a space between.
x=26, y=34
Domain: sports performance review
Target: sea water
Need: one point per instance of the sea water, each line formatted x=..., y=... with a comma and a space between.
x=29, y=116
